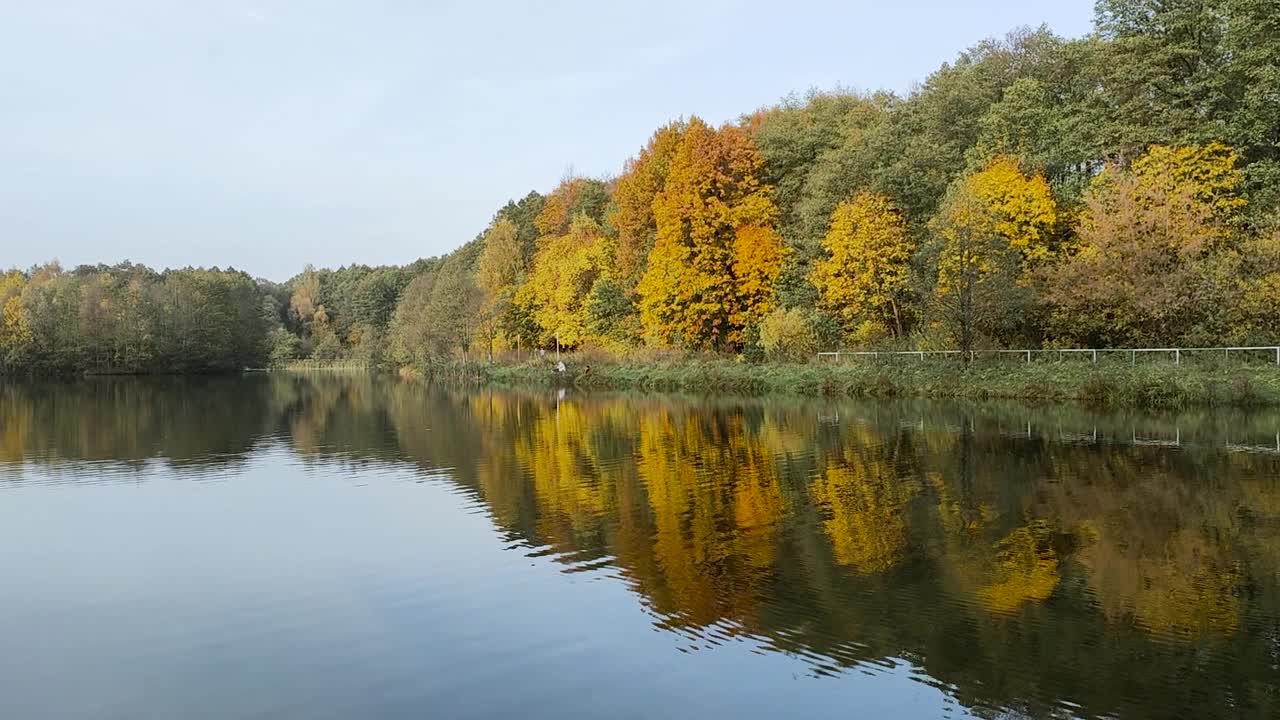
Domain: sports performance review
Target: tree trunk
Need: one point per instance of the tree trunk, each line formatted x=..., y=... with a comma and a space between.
x=966, y=317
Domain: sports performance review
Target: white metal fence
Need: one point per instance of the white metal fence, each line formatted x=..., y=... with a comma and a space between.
x=1060, y=353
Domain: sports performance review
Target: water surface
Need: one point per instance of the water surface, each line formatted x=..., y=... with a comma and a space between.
x=329, y=546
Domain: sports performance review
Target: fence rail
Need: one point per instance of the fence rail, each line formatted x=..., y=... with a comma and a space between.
x=1175, y=353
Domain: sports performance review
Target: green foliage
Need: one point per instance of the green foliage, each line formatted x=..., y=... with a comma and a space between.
x=284, y=347
x=523, y=215
x=129, y=319
x=611, y=313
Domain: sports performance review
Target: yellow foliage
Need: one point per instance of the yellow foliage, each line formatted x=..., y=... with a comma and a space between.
x=788, y=335
x=1022, y=207
x=564, y=203
x=15, y=324
x=757, y=259
x=500, y=264
x=986, y=216
x=716, y=256
x=867, y=264
x=564, y=269
x=1208, y=172
x=865, y=504
x=633, y=196
x=1026, y=570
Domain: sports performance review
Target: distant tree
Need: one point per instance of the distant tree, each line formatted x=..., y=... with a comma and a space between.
x=283, y=347
x=500, y=270
x=305, y=299
x=523, y=215
x=456, y=301
x=412, y=338
x=611, y=315
x=500, y=264
x=15, y=324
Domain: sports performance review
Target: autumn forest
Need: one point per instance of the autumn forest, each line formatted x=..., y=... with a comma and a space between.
x=1113, y=190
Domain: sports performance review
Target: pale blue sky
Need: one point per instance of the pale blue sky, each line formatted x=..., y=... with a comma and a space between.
x=267, y=134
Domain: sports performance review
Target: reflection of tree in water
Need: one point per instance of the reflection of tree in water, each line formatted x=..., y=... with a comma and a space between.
x=192, y=422
x=865, y=501
x=1016, y=570
x=848, y=546
x=713, y=540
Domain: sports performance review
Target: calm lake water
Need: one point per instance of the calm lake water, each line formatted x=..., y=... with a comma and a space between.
x=329, y=546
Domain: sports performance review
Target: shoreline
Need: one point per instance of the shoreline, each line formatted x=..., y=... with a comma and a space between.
x=1151, y=385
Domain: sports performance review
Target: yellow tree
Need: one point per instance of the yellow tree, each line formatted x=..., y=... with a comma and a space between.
x=716, y=257
x=304, y=303
x=633, y=195
x=500, y=263
x=866, y=271
x=994, y=226
x=1022, y=208
x=15, y=325
x=499, y=269
x=564, y=269
x=758, y=253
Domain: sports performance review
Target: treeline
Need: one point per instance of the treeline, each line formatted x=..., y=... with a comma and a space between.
x=129, y=319
x=1114, y=190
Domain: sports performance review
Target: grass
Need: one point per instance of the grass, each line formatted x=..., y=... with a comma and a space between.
x=325, y=366
x=1152, y=384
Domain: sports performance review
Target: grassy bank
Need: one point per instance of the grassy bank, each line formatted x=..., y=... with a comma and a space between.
x=1117, y=384
x=325, y=366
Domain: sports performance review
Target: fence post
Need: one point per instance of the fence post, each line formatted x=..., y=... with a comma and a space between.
x=1177, y=356
x=1133, y=357
x=1095, y=357
x=1278, y=356
x=1028, y=356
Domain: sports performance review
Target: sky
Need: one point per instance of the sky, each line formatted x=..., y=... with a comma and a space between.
x=268, y=134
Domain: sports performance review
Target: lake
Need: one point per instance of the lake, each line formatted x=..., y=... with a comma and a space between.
x=349, y=546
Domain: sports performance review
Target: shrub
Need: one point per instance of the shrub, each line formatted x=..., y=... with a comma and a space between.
x=788, y=335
